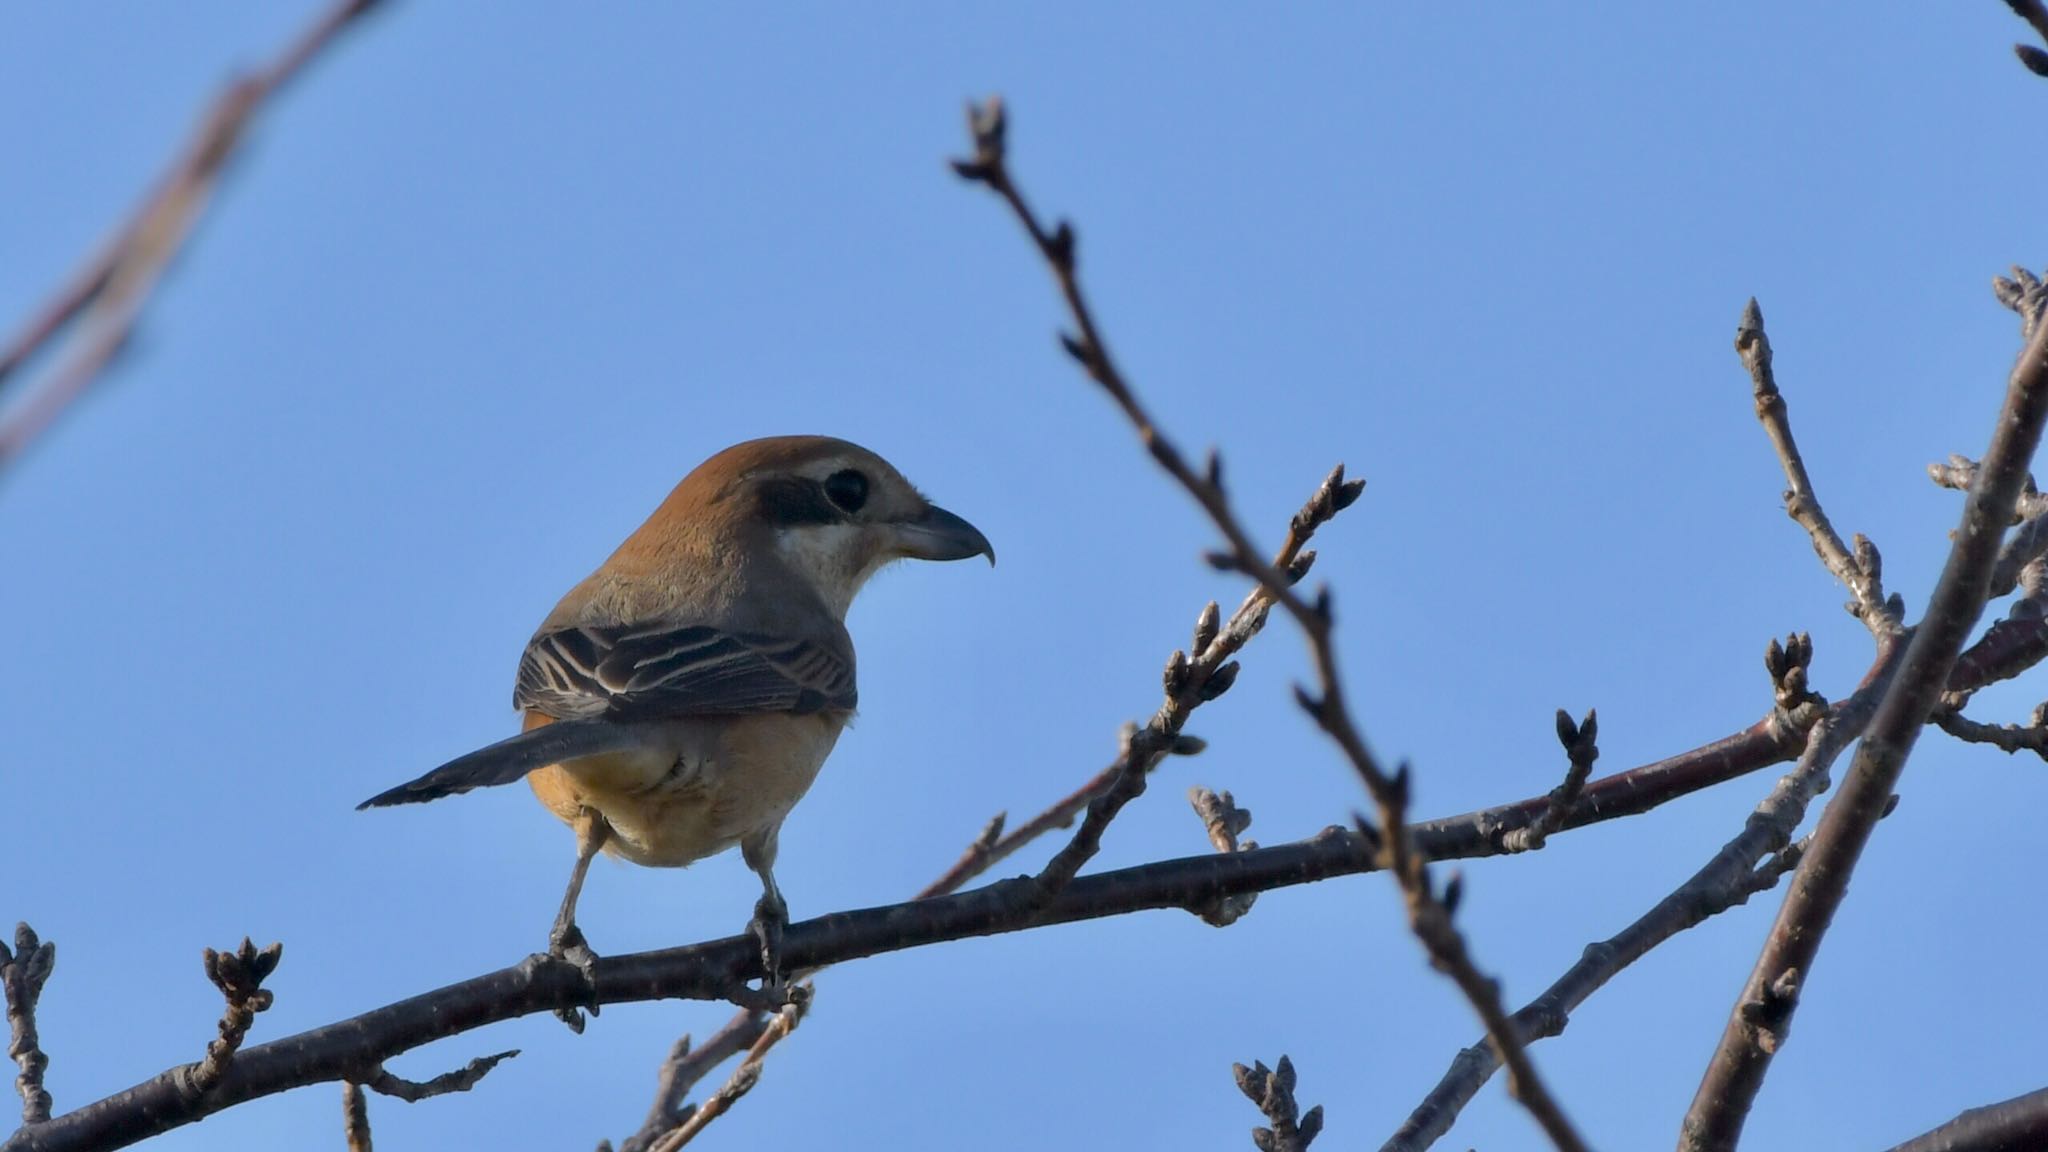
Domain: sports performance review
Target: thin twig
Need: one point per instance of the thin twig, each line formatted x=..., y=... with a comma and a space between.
x=239, y=975
x=1581, y=748
x=1758, y=1023
x=1225, y=822
x=355, y=1117
x=742, y=1081
x=462, y=1079
x=23, y=972
x=671, y=1088
x=2006, y=737
x=103, y=299
x=1192, y=680
x=2029, y=543
x=1429, y=916
x=1859, y=570
x=1272, y=1091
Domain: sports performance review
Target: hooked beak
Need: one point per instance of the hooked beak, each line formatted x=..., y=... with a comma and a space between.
x=940, y=535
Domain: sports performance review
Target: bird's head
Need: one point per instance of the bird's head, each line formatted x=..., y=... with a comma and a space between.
x=832, y=512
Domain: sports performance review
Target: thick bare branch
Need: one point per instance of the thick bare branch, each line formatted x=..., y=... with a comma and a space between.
x=1759, y=1021
x=351, y=1048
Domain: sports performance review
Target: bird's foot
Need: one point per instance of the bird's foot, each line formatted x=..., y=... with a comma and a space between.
x=771, y=916
x=566, y=945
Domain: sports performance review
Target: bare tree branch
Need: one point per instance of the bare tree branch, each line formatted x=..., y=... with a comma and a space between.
x=1272, y=1090
x=1737, y=871
x=739, y=1084
x=1861, y=569
x=239, y=975
x=1758, y=1024
x=1225, y=822
x=23, y=972
x=1581, y=749
x=355, y=1117
x=1428, y=915
x=461, y=1079
x=351, y=1048
x=2006, y=737
x=104, y=298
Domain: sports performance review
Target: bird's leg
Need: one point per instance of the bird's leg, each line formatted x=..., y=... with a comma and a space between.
x=565, y=939
x=771, y=914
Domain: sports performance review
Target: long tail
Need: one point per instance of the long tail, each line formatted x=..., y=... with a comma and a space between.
x=510, y=760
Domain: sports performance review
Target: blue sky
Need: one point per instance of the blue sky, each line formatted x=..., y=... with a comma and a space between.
x=492, y=277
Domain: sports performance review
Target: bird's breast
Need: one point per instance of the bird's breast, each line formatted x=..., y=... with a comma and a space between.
x=694, y=787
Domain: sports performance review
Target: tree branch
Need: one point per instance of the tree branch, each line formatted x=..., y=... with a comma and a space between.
x=1861, y=569
x=23, y=972
x=1735, y=873
x=1758, y=1023
x=1429, y=916
x=104, y=298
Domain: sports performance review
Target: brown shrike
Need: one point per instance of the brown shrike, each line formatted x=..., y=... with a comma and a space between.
x=681, y=699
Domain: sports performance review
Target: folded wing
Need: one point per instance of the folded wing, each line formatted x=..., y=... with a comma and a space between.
x=650, y=672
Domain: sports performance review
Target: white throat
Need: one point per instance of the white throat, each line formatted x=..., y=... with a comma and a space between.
x=830, y=557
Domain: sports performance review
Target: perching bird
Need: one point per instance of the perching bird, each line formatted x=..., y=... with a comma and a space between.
x=682, y=698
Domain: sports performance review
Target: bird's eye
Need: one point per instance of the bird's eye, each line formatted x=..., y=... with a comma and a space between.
x=848, y=489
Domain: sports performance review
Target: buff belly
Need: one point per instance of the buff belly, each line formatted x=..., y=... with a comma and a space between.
x=696, y=787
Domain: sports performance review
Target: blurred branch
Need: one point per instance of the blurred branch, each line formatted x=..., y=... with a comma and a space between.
x=102, y=301
x=739, y=1084
x=2037, y=17
x=1225, y=822
x=1758, y=1024
x=1429, y=915
x=355, y=1117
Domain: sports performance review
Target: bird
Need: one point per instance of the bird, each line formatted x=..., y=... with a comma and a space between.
x=681, y=699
